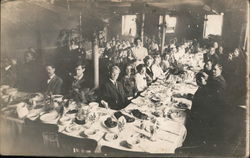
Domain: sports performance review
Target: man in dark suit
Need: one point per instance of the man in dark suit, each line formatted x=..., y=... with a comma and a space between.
x=219, y=110
x=54, y=83
x=81, y=85
x=148, y=60
x=112, y=92
x=30, y=75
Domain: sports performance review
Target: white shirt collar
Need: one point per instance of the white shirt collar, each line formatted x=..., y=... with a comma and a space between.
x=79, y=78
x=7, y=67
x=114, y=82
x=50, y=77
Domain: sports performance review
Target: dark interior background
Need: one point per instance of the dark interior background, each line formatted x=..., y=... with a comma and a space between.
x=25, y=24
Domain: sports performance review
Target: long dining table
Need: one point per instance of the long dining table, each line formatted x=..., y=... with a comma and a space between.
x=163, y=105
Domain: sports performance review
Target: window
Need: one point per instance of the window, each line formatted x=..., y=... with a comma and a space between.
x=170, y=22
x=129, y=25
x=213, y=25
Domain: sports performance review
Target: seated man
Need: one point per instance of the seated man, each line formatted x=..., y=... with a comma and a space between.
x=112, y=92
x=54, y=83
x=30, y=75
x=219, y=109
x=148, y=60
x=198, y=118
x=80, y=88
x=165, y=62
x=217, y=83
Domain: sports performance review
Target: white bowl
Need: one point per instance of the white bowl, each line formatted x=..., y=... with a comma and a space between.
x=94, y=105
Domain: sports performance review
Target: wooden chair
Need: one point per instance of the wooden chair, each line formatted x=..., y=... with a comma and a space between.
x=44, y=137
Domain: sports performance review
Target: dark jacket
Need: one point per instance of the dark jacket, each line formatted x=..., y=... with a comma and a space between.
x=216, y=89
x=9, y=76
x=114, y=96
x=31, y=77
x=149, y=76
x=54, y=86
x=149, y=72
x=214, y=58
x=79, y=89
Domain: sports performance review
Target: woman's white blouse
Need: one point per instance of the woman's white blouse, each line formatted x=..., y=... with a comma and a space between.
x=157, y=71
x=140, y=81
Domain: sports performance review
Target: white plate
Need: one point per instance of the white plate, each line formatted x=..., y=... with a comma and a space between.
x=156, y=99
x=113, y=130
x=90, y=132
x=65, y=121
x=138, y=100
x=74, y=129
x=34, y=114
x=176, y=115
x=94, y=104
x=110, y=136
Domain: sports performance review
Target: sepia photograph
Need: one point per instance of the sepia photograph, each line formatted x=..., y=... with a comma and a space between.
x=124, y=78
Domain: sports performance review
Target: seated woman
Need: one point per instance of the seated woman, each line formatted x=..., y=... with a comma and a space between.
x=128, y=82
x=153, y=47
x=112, y=92
x=54, y=83
x=165, y=62
x=156, y=68
x=140, y=78
x=80, y=86
x=148, y=60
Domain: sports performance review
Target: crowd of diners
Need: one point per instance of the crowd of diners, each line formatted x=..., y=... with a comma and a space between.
x=129, y=68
